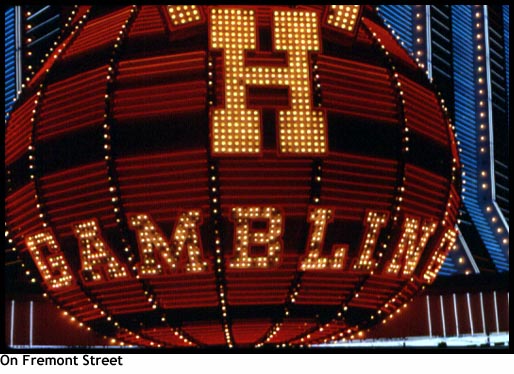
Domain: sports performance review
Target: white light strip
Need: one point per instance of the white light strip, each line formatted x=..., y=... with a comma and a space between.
x=470, y=315
x=489, y=101
x=468, y=253
x=456, y=315
x=425, y=341
x=482, y=311
x=500, y=214
x=31, y=323
x=18, y=48
x=490, y=122
x=12, y=323
x=496, y=312
x=429, y=319
x=429, y=41
x=442, y=315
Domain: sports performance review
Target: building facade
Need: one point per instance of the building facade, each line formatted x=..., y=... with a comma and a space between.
x=30, y=33
x=465, y=50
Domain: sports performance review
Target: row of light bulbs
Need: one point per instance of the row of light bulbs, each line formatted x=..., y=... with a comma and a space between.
x=148, y=236
x=88, y=238
x=483, y=118
x=215, y=212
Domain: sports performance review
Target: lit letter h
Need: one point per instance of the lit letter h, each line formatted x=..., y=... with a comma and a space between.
x=235, y=129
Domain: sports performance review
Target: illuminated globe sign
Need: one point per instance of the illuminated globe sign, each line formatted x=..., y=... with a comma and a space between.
x=192, y=176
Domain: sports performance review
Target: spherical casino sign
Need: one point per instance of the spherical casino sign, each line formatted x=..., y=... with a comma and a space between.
x=192, y=176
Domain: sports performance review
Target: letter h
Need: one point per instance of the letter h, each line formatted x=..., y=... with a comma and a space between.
x=235, y=129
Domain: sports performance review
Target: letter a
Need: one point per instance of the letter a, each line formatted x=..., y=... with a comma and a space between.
x=98, y=261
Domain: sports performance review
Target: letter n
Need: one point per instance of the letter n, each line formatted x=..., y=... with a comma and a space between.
x=446, y=243
x=410, y=247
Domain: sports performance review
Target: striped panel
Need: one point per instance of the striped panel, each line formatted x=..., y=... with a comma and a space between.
x=425, y=193
x=319, y=9
x=19, y=131
x=156, y=87
x=454, y=201
x=400, y=18
x=22, y=214
x=135, y=339
x=76, y=195
x=162, y=185
x=376, y=291
x=181, y=291
x=390, y=43
x=332, y=330
x=73, y=103
x=291, y=328
x=249, y=331
x=77, y=303
x=122, y=296
x=326, y=287
x=9, y=57
x=208, y=333
x=357, y=89
x=261, y=287
x=267, y=181
x=164, y=335
x=97, y=34
x=356, y=183
x=80, y=12
x=422, y=111
x=149, y=22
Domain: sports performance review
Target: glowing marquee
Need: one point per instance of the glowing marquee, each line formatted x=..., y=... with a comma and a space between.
x=236, y=254
x=235, y=129
x=158, y=256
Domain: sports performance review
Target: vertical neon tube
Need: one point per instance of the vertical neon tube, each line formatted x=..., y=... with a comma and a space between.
x=482, y=311
x=428, y=30
x=12, y=323
x=429, y=319
x=496, y=312
x=31, y=322
x=442, y=315
x=470, y=315
x=468, y=253
x=490, y=119
x=18, y=44
x=456, y=315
